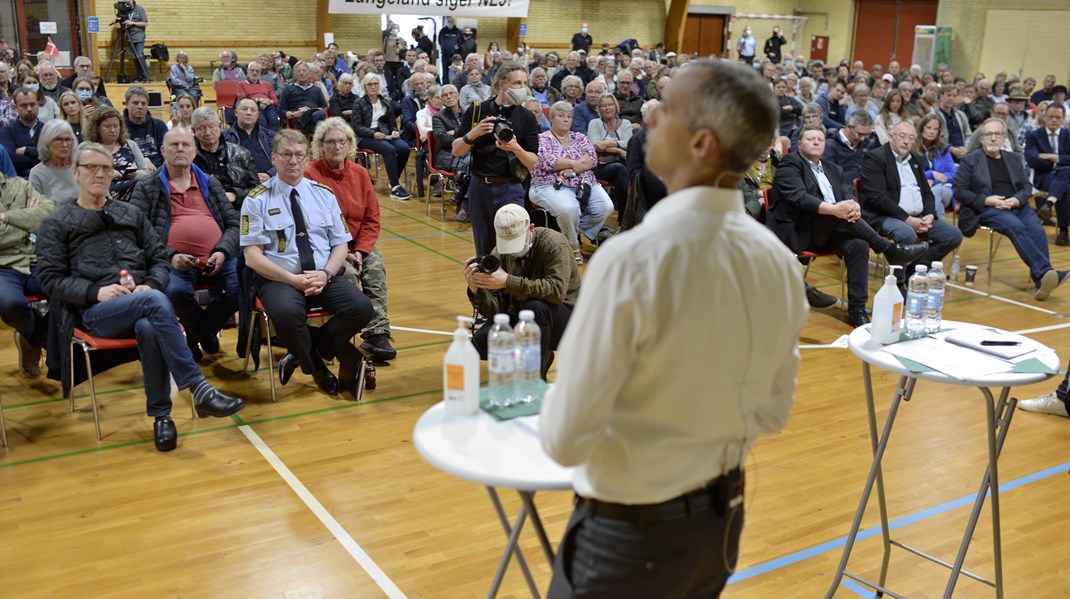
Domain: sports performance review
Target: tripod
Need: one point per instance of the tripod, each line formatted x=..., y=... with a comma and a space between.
x=120, y=50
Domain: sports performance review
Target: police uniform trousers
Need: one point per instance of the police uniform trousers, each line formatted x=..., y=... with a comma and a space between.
x=287, y=307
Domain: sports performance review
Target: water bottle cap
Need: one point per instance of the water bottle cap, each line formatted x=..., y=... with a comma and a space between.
x=123, y=273
x=921, y=268
x=501, y=319
x=527, y=315
x=937, y=264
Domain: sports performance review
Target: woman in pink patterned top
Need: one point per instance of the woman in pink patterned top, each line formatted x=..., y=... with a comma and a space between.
x=560, y=181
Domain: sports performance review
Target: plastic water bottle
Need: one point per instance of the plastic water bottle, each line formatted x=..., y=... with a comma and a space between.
x=126, y=280
x=956, y=268
x=934, y=306
x=917, y=296
x=528, y=357
x=501, y=363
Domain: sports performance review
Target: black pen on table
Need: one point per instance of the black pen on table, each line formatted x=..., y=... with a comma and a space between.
x=1001, y=343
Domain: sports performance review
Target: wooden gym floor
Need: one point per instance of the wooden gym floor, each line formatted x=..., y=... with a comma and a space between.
x=320, y=497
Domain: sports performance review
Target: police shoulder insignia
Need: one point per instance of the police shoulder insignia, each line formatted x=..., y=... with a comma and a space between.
x=322, y=186
x=259, y=189
x=245, y=224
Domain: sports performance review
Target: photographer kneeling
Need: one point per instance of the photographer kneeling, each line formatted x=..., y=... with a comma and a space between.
x=563, y=182
x=535, y=271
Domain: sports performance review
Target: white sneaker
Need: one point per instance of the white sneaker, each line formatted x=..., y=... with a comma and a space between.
x=1045, y=404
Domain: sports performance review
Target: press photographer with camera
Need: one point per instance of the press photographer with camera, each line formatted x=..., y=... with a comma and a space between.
x=503, y=138
x=133, y=20
x=564, y=183
x=531, y=268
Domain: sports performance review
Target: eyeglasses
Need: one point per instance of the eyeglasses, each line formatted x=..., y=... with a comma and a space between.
x=64, y=140
x=906, y=136
x=336, y=143
x=292, y=157
x=97, y=169
x=993, y=134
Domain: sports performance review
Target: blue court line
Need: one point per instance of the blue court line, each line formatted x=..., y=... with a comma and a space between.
x=860, y=590
x=798, y=556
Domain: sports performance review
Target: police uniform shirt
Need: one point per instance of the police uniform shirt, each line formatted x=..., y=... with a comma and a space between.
x=266, y=221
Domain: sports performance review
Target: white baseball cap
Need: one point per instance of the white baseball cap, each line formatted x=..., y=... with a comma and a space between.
x=511, y=228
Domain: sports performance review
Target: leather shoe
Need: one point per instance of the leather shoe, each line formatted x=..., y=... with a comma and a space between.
x=166, y=435
x=326, y=381
x=857, y=318
x=210, y=344
x=905, y=253
x=378, y=346
x=29, y=356
x=218, y=404
x=1061, y=237
x=287, y=366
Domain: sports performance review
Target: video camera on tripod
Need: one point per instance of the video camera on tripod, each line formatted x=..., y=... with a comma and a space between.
x=123, y=10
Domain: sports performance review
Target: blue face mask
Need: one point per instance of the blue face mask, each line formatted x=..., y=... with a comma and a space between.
x=84, y=94
x=33, y=86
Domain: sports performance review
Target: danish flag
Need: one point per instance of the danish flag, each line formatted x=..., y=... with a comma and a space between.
x=51, y=49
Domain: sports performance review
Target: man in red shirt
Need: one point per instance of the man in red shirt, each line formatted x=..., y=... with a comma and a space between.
x=191, y=213
x=333, y=147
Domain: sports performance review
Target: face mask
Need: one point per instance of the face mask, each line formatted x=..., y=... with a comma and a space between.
x=524, y=252
x=84, y=94
x=278, y=62
x=584, y=29
x=33, y=86
x=517, y=95
x=394, y=31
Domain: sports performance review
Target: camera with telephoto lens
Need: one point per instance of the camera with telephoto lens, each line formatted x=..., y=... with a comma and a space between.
x=503, y=129
x=488, y=264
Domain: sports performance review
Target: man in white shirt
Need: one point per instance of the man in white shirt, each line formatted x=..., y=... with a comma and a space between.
x=671, y=368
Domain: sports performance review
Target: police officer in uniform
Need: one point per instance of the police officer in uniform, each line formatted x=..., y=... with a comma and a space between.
x=295, y=239
x=496, y=176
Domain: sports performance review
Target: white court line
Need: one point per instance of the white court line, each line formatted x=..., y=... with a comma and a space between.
x=428, y=331
x=324, y=516
x=1009, y=301
x=1053, y=327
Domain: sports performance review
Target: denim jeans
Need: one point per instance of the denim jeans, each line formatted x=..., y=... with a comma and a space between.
x=149, y=317
x=137, y=49
x=563, y=205
x=200, y=323
x=943, y=238
x=16, y=311
x=394, y=152
x=1023, y=227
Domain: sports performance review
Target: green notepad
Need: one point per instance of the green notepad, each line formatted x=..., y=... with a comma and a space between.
x=516, y=410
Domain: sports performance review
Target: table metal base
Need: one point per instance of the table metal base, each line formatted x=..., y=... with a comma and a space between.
x=999, y=415
x=512, y=531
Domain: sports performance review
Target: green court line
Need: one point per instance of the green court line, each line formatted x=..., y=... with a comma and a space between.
x=417, y=243
x=423, y=222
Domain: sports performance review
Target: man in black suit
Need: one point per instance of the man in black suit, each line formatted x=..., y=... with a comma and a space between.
x=1047, y=152
x=992, y=189
x=813, y=209
x=897, y=200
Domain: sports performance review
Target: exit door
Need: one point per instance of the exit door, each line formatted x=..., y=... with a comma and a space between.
x=819, y=48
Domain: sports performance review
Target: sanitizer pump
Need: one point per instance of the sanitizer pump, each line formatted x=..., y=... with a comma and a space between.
x=460, y=373
x=887, y=310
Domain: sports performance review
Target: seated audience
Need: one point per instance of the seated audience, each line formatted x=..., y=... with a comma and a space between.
x=413, y=103
x=343, y=99
x=22, y=210
x=182, y=113
x=846, y=145
x=19, y=138
x=936, y=161
x=992, y=189
x=144, y=129
x=812, y=209
x=585, y=112
x=183, y=80
x=228, y=162
x=83, y=88
x=49, y=78
x=228, y=68
x=72, y=113
x=264, y=95
x=564, y=184
x=333, y=148
x=610, y=134
x=832, y=106
x=53, y=177
x=572, y=90
x=193, y=218
x=247, y=133
x=646, y=189
x=533, y=105
x=1047, y=151
x=631, y=103
x=540, y=88
x=538, y=272
x=83, y=67
x=375, y=125
x=790, y=109
x=956, y=126
x=474, y=90
x=293, y=277
x=88, y=290
x=444, y=127
x=892, y=112
x=302, y=103
x=108, y=129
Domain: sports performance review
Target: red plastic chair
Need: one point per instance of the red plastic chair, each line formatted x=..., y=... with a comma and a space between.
x=226, y=93
x=811, y=256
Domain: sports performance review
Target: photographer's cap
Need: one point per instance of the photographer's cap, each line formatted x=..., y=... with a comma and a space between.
x=510, y=228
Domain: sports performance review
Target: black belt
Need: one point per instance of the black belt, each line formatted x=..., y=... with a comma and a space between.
x=497, y=180
x=720, y=495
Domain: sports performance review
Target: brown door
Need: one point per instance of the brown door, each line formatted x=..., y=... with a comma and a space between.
x=878, y=41
x=704, y=35
x=819, y=48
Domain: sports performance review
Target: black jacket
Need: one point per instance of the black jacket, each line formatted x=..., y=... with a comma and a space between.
x=232, y=165
x=880, y=185
x=444, y=121
x=152, y=196
x=796, y=198
x=362, y=118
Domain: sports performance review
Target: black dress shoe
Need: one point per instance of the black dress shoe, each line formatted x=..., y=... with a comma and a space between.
x=287, y=366
x=210, y=344
x=326, y=381
x=1061, y=237
x=166, y=434
x=218, y=404
x=905, y=253
x=857, y=318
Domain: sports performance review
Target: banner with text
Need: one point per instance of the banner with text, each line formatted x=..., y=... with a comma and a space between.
x=459, y=8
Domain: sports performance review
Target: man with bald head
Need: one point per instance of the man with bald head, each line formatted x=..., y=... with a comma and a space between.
x=897, y=200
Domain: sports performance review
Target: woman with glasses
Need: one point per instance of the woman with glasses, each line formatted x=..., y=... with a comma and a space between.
x=52, y=176
x=106, y=127
x=376, y=128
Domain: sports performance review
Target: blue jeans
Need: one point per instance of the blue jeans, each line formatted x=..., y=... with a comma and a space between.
x=207, y=322
x=16, y=311
x=138, y=51
x=944, y=196
x=149, y=317
x=943, y=238
x=562, y=205
x=484, y=201
x=1023, y=228
x=394, y=152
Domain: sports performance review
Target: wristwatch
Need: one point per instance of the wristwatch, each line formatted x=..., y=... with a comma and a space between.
x=328, y=273
x=464, y=138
